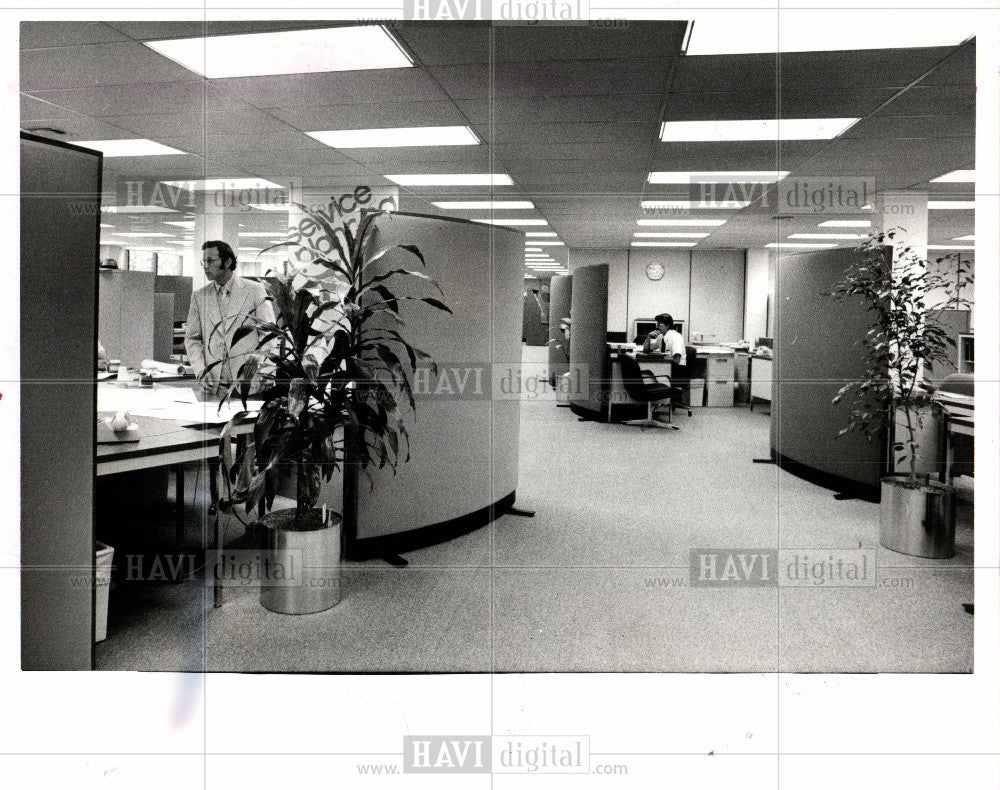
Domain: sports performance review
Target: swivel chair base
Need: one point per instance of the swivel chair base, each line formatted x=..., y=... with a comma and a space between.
x=650, y=421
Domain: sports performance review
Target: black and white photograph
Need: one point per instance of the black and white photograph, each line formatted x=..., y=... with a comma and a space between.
x=443, y=388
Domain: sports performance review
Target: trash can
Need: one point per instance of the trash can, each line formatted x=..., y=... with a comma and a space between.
x=102, y=581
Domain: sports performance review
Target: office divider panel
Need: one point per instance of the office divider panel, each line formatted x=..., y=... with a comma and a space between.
x=465, y=433
x=125, y=303
x=717, y=288
x=589, y=351
x=60, y=211
x=817, y=351
x=559, y=304
x=180, y=286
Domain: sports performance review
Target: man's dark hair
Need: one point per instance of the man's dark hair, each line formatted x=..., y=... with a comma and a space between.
x=662, y=318
x=225, y=252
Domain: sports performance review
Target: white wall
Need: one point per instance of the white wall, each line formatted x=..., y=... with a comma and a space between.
x=717, y=298
x=671, y=294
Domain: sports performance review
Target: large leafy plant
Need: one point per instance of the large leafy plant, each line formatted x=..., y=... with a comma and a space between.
x=335, y=365
x=904, y=339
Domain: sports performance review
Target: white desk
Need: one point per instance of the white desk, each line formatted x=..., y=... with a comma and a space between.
x=761, y=372
x=959, y=417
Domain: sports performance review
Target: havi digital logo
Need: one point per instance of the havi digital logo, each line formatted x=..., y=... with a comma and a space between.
x=443, y=754
x=446, y=10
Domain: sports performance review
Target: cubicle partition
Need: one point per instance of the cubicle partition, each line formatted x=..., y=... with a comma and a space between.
x=60, y=211
x=465, y=432
x=588, y=349
x=559, y=308
x=816, y=352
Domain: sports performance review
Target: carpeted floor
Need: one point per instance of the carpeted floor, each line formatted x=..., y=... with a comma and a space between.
x=598, y=581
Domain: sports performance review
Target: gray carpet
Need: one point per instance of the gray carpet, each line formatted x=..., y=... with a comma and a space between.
x=597, y=581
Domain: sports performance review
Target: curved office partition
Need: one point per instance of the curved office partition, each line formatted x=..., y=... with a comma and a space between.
x=465, y=432
x=817, y=351
x=559, y=304
x=589, y=349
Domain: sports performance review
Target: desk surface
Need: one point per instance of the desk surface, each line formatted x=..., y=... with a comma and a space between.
x=161, y=443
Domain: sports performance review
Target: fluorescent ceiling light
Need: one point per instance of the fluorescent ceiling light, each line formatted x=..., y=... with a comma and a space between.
x=397, y=138
x=785, y=246
x=545, y=243
x=213, y=184
x=262, y=235
x=771, y=129
x=138, y=210
x=138, y=235
x=286, y=52
x=140, y=147
x=532, y=249
x=956, y=177
x=805, y=32
x=187, y=223
x=846, y=223
x=106, y=225
x=641, y=235
x=509, y=221
x=951, y=246
x=183, y=242
x=682, y=223
x=452, y=179
x=268, y=207
x=664, y=243
x=661, y=205
x=717, y=177
x=484, y=204
x=541, y=233
x=954, y=205
x=827, y=236
x=965, y=238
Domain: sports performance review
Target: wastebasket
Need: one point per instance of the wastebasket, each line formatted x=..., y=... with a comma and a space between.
x=102, y=581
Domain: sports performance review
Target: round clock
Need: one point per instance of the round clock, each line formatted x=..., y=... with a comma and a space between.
x=654, y=271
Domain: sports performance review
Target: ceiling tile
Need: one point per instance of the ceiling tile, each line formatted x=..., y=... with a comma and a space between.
x=44, y=35
x=121, y=63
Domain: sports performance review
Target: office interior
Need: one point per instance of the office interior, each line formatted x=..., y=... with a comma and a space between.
x=586, y=142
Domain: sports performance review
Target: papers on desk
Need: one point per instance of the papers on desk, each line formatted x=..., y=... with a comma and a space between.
x=179, y=404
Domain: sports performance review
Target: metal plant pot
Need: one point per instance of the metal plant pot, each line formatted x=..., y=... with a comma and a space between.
x=917, y=521
x=301, y=562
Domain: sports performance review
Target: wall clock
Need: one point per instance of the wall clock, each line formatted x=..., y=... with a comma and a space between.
x=654, y=271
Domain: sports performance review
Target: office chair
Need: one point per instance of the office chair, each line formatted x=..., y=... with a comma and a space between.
x=681, y=379
x=642, y=386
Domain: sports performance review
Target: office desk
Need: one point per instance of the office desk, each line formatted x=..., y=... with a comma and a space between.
x=657, y=364
x=760, y=371
x=959, y=417
x=186, y=432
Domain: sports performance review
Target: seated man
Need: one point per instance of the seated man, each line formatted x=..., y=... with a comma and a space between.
x=665, y=339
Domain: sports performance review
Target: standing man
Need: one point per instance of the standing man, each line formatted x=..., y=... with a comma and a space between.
x=665, y=339
x=219, y=309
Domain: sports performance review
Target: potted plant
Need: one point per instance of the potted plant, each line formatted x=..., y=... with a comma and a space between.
x=334, y=399
x=903, y=341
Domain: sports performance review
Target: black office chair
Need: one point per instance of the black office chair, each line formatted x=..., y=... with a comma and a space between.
x=642, y=386
x=680, y=379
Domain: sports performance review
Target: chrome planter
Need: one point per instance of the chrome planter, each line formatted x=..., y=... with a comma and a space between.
x=301, y=573
x=917, y=521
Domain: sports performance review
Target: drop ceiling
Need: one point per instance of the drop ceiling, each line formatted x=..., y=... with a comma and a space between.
x=571, y=113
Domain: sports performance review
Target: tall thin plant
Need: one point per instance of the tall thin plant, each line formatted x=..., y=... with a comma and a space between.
x=904, y=340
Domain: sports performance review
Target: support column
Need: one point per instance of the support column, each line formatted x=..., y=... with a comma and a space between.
x=908, y=211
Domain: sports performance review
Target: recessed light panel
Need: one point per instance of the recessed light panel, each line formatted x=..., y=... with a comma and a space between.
x=511, y=222
x=681, y=223
x=664, y=243
x=771, y=129
x=846, y=223
x=222, y=184
x=187, y=223
x=397, y=138
x=141, y=147
x=951, y=246
x=138, y=235
x=687, y=205
x=486, y=205
x=545, y=243
x=956, y=177
x=952, y=205
x=642, y=235
x=717, y=177
x=964, y=238
x=830, y=236
x=139, y=210
x=541, y=233
x=349, y=48
x=452, y=179
x=780, y=245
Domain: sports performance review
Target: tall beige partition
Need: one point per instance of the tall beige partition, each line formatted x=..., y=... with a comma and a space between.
x=559, y=305
x=464, y=435
x=60, y=199
x=817, y=351
x=163, y=326
x=589, y=350
x=125, y=315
